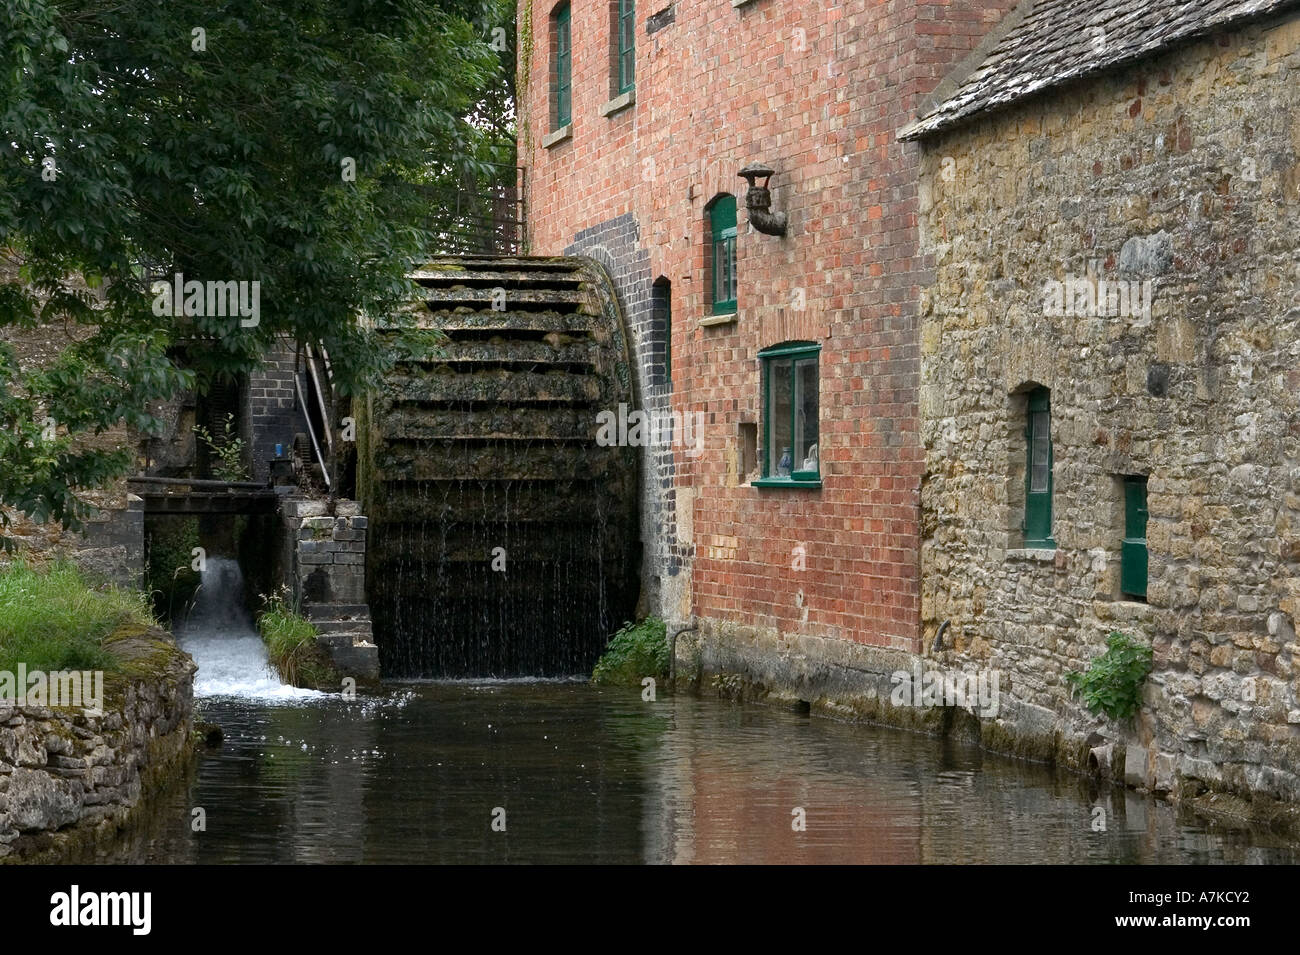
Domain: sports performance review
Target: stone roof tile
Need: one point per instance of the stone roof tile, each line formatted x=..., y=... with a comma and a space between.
x=1045, y=43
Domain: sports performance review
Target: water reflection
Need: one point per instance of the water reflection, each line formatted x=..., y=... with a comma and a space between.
x=587, y=775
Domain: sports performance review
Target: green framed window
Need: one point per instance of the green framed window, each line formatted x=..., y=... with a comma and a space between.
x=626, y=45
x=1133, y=548
x=791, y=423
x=1038, y=470
x=722, y=236
x=562, y=107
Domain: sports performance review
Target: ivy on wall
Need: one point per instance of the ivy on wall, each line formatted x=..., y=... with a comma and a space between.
x=525, y=72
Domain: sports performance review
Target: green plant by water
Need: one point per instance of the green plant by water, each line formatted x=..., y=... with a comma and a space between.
x=227, y=450
x=290, y=640
x=1112, y=684
x=637, y=651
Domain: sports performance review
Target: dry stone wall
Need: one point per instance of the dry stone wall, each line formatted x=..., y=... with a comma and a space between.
x=69, y=780
x=1179, y=176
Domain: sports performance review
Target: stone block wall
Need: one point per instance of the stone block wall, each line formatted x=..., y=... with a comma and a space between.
x=327, y=552
x=1182, y=171
x=274, y=414
x=114, y=544
x=109, y=545
x=68, y=780
x=324, y=556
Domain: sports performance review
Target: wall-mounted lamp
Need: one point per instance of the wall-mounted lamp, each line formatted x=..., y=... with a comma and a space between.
x=758, y=200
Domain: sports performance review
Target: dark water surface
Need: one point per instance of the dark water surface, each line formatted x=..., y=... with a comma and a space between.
x=588, y=775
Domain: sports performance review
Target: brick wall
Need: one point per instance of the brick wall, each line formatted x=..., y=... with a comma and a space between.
x=816, y=91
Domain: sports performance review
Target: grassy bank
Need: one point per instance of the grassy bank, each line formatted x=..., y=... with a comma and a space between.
x=51, y=618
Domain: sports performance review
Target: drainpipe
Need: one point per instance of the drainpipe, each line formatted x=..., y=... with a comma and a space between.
x=938, y=637
x=1100, y=759
x=672, y=651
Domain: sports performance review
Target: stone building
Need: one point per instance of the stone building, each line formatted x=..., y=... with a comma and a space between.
x=789, y=517
x=1110, y=378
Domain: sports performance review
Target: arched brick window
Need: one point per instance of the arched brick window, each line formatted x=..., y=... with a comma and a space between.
x=721, y=214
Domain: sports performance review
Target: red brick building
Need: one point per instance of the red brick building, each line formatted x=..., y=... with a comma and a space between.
x=799, y=518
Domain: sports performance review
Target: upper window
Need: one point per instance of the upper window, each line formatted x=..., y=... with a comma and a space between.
x=791, y=427
x=1038, y=470
x=562, y=78
x=624, y=29
x=722, y=255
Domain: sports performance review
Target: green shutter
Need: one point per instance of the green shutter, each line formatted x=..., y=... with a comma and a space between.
x=563, y=69
x=722, y=228
x=626, y=45
x=1038, y=470
x=1133, y=549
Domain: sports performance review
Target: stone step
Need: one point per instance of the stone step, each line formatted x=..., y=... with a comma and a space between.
x=495, y=385
x=359, y=659
x=337, y=641
x=485, y=320
x=451, y=296
x=562, y=279
x=337, y=611
x=343, y=626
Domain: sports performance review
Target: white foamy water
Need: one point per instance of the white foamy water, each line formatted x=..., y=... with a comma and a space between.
x=223, y=640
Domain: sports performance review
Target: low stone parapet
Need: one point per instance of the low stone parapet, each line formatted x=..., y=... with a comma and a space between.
x=70, y=778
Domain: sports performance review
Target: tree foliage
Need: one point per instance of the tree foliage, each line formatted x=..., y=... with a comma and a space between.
x=142, y=138
x=470, y=186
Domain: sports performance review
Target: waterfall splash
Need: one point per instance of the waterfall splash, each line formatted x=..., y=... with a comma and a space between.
x=221, y=636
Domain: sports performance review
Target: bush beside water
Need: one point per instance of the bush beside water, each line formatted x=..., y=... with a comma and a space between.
x=291, y=645
x=637, y=651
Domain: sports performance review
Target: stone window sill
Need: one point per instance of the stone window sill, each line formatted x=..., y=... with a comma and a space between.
x=1044, y=555
x=619, y=103
x=1130, y=605
x=557, y=137
x=725, y=319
